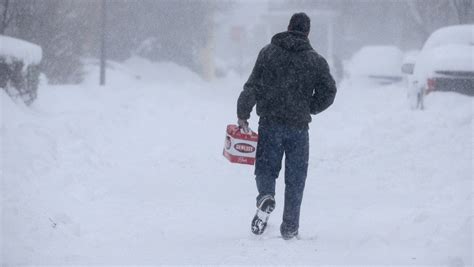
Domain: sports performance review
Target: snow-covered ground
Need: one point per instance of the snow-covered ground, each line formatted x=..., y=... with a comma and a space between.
x=132, y=173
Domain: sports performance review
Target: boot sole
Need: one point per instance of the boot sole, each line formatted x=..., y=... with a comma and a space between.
x=259, y=221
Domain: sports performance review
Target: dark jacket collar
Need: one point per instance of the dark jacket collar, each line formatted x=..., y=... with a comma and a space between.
x=292, y=41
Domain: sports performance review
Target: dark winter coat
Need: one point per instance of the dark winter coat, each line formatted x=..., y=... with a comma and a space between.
x=289, y=82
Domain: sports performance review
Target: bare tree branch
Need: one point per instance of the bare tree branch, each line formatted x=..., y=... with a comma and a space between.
x=5, y=20
x=413, y=8
x=463, y=10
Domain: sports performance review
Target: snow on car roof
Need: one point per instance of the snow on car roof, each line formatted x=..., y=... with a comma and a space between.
x=378, y=52
x=377, y=60
x=12, y=48
x=458, y=34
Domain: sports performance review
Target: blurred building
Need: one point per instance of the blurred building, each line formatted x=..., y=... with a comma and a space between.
x=322, y=28
x=241, y=33
x=403, y=23
x=339, y=27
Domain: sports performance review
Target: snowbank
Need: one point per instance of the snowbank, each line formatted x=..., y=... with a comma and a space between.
x=12, y=48
x=132, y=173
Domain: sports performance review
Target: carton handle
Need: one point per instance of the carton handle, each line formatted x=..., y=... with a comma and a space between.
x=249, y=133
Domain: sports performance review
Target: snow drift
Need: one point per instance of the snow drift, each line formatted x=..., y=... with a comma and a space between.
x=132, y=173
x=16, y=49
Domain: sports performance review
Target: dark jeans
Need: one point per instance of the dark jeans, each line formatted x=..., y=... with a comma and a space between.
x=274, y=141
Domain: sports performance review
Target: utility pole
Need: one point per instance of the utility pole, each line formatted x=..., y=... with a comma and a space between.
x=103, y=55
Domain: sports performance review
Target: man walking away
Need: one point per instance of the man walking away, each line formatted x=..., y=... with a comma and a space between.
x=289, y=82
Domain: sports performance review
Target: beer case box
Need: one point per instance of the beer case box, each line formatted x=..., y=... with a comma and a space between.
x=240, y=147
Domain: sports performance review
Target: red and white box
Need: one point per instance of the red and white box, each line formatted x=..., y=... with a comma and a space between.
x=240, y=147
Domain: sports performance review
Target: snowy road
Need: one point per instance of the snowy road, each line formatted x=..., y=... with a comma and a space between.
x=133, y=174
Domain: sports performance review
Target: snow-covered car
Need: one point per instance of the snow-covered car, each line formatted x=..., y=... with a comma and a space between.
x=446, y=61
x=376, y=64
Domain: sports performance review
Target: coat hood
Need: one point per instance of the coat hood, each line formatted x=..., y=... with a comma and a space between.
x=292, y=41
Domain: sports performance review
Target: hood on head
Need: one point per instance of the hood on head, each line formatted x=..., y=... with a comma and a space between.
x=292, y=41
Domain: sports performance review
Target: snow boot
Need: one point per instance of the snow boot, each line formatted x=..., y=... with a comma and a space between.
x=289, y=235
x=264, y=207
x=286, y=233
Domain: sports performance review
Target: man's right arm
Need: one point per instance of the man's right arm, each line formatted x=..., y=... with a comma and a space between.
x=247, y=98
x=325, y=89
